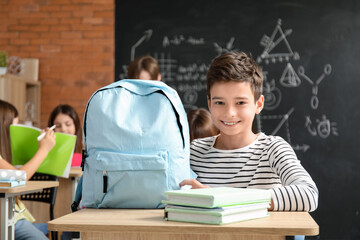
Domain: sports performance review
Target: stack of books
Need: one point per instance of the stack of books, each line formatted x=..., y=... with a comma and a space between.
x=12, y=178
x=220, y=205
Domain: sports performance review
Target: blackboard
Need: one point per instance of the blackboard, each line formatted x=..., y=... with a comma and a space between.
x=309, y=52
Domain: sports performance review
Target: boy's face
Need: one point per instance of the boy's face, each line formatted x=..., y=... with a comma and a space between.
x=233, y=108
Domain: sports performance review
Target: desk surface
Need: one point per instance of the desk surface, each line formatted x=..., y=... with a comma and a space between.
x=75, y=172
x=30, y=186
x=151, y=221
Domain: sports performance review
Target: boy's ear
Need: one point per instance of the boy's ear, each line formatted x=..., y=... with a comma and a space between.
x=159, y=77
x=259, y=104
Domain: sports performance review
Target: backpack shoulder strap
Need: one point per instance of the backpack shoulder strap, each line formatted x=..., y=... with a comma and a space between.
x=78, y=195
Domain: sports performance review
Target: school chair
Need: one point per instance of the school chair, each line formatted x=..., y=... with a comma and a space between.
x=47, y=195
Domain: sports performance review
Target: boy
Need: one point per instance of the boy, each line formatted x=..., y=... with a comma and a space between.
x=237, y=157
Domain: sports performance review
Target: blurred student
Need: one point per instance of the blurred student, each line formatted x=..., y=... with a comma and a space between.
x=201, y=124
x=144, y=67
x=24, y=229
x=67, y=121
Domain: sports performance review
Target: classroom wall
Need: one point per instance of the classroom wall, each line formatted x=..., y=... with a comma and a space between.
x=73, y=40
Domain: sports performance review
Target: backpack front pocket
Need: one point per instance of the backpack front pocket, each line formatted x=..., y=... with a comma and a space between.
x=131, y=180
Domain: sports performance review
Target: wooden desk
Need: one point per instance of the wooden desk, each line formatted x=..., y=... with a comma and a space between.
x=149, y=224
x=75, y=174
x=8, y=195
x=64, y=198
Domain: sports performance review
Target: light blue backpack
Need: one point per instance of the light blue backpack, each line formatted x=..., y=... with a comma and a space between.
x=136, y=140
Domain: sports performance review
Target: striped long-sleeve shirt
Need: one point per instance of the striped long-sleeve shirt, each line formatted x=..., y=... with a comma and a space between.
x=268, y=163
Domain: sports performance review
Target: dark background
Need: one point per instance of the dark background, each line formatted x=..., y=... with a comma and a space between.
x=311, y=78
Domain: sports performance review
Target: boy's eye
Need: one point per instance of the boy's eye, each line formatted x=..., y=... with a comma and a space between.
x=219, y=102
x=241, y=103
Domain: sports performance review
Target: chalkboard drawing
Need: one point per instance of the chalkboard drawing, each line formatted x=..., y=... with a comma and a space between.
x=324, y=127
x=166, y=65
x=298, y=147
x=277, y=47
x=289, y=78
x=145, y=37
x=283, y=124
x=189, y=99
x=229, y=47
x=272, y=95
x=280, y=128
x=314, y=102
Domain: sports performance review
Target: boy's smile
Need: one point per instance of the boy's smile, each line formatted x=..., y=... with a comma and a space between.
x=233, y=109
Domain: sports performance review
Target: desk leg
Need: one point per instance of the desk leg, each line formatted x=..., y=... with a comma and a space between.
x=75, y=181
x=7, y=218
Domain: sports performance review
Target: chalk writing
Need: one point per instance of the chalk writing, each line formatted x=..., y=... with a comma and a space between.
x=314, y=102
x=229, y=47
x=189, y=79
x=167, y=66
x=323, y=127
x=145, y=37
x=289, y=78
x=179, y=39
x=284, y=122
x=277, y=37
x=272, y=95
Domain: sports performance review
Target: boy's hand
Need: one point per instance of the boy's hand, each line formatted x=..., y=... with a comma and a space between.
x=48, y=142
x=271, y=205
x=194, y=183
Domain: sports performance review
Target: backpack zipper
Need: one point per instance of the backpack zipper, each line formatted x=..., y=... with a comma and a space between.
x=105, y=180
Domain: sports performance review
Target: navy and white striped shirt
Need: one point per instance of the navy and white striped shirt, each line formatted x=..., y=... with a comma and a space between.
x=268, y=163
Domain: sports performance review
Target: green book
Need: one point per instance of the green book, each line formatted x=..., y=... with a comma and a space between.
x=24, y=145
x=223, y=215
x=217, y=197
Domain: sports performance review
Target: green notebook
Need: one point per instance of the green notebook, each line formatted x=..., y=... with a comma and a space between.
x=217, y=197
x=24, y=145
x=219, y=216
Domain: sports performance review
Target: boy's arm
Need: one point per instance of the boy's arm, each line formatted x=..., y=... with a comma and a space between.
x=299, y=191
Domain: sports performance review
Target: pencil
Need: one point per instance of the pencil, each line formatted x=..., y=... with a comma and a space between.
x=41, y=136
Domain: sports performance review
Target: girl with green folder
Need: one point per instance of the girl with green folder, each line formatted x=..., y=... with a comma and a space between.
x=24, y=229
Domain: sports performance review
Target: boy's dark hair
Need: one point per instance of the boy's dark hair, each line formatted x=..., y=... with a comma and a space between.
x=235, y=66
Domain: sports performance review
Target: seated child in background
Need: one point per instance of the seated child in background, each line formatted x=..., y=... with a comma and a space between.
x=144, y=67
x=200, y=124
x=24, y=229
x=67, y=121
x=237, y=157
